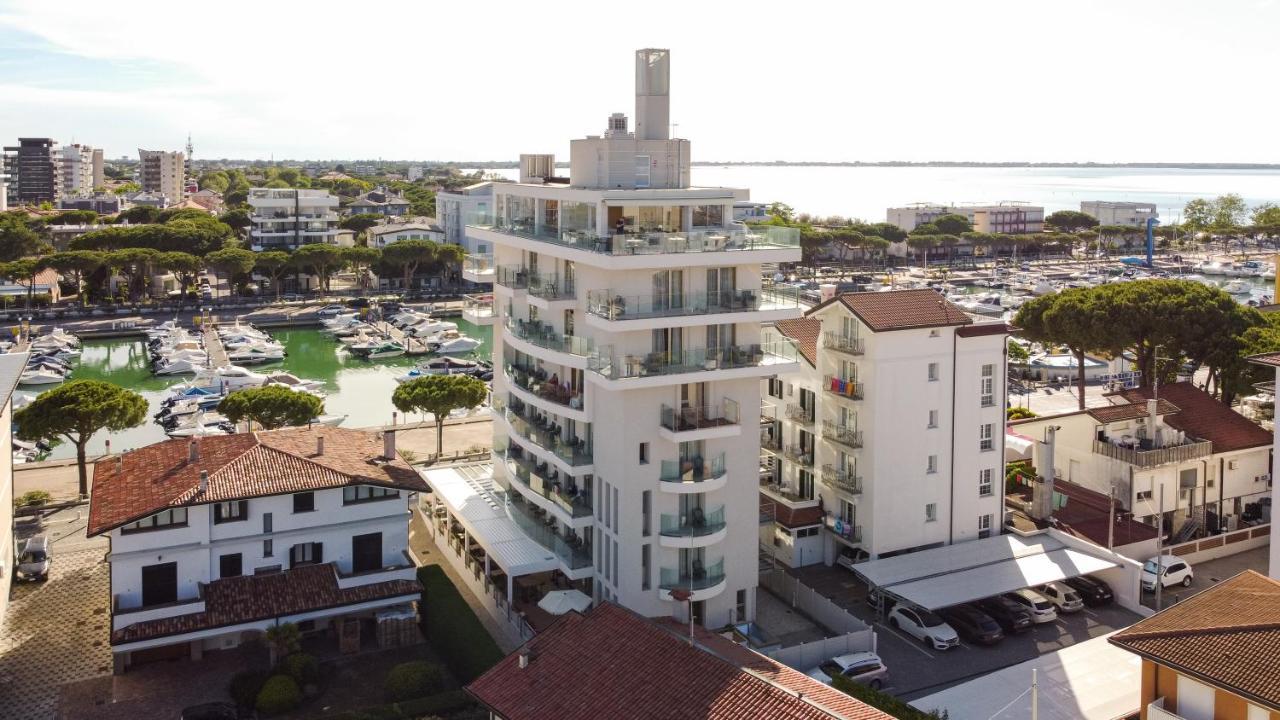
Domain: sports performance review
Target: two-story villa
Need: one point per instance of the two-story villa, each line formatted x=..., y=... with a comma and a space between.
x=215, y=539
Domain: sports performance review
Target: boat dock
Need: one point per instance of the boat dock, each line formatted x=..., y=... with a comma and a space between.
x=412, y=345
x=213, y=346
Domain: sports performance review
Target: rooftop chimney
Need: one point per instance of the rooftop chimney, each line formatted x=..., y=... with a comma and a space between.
x=524, y=658
x=204, y=481
x=389, y=445
x=193, y=453
x=1042, y=490
x=653, y=94
x=319, y=445
x=1153, y=430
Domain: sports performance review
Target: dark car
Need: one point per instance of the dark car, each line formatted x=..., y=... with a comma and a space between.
x=212, y=711
x=360, y=302
x=973, y=624
x=1093, y=591
x=1008, y=614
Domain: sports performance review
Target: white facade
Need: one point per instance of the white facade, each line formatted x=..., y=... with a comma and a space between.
x=631, y=352
x=288, y=218
x=11, y=366
x=163, y=172
x=1010, y=217
x=788, y=467
x=1120, y=213
x=80, y=170
x=381, y=236
x=454, y=210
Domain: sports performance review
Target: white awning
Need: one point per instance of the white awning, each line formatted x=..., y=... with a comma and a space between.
x=467, y=496
x=1017, y=447
x=973, y=570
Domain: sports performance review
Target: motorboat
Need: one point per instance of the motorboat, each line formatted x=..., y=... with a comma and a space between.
x=330, y=420
x=230, y=377
x=40, y=376
x=181, y=366
x=453, y=344
x=1237, y=287
x=429, y=327
x=386, y=349
x=202, y=424
x=256, y=355
x=292, y=381
x=448, y=366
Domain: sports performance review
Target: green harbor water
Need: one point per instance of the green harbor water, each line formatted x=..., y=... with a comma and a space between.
x=359, y=389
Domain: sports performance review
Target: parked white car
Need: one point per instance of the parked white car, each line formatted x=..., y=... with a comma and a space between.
x=1176, y=571
x=924, y=626
x=863, y=667
x=1063, y=598
x=1042, y=611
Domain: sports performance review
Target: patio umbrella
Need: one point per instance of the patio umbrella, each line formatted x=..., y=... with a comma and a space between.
x=559, y=602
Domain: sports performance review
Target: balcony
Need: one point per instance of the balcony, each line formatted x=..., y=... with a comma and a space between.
x=478, y=268
x=844, y=481
x=768, y=413
x=610, y=306
x=700, y=423
x=545, y=433
x=801, y=414
x=126, y=612
x=544, y=336
x=514, y=277
x=693, y=579
x=786, y=493
x=551, y=287
x=799, y=454
x=695, y=527
x=851, y=534
x=396, y=571
x=567, y=495
x=1156, y=711
x=478, y=309
x=536, y=382
x=1152, y=457
x=573, y=551
x=694, y=474
x=660, y=364
x=770, y=444
x=645, y=243
x=840, y=342
x=846, y=436
x=839, y=387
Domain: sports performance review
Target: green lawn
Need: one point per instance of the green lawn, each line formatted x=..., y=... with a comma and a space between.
x=454, y=631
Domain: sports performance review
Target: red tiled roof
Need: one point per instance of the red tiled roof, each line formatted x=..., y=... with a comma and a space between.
x=233, y=601
x=983, y=329
x=612, y=663
x=1201, y=416
x=1226, y=635
x=1085, y=515
x=805, y=332
x=904, y=309
x=247, y=465
x=1129, y=411
x=1272, y=359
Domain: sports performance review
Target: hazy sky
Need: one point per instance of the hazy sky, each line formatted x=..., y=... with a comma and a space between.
x=1108, y=81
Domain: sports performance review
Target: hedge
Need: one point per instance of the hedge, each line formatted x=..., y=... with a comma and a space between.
x=883, y=701
x=279, y=695
x=441, y=704
x=416, y=679
x=453, y=630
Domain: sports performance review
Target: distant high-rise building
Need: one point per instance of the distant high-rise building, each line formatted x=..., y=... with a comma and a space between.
x=163, y=172
x=79, y=170
x=32, y=167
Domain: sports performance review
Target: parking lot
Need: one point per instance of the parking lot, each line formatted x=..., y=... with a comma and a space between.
x=1209, y=572
x=916, y=671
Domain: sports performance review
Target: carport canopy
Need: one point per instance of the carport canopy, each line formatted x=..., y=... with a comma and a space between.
x=968, y=571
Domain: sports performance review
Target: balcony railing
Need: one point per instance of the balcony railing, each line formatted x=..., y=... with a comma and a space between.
x=840, y=342
x=535, y=381
x=1155, y=456
x=612, y=306
x=693, y=470
x=647, y=243
x=799, y=454
x=478, y=305
x=785, y=491
x=695, y=522
x=770, y=443
x=841, y=387
x=544, y=432
x=688, y=418
x=616, y=367
x=544, y=336
x=801, y=414
x=551, y=286
x=842, y=434
x=572, y=550
x=515, y=277
x=842, y=480
x=568, y=494
x=479, y=264
x=840, y=528
x=696, y=578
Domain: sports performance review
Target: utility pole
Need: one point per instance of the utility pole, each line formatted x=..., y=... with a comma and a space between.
x=1111, y=518
x=1035, y=696
x=1160, y=550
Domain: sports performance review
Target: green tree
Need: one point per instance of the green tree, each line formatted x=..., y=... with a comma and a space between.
x=782, y=212
x=77, y=265
x=1018, y=354
x=283, y=639
x=17, y=240
x=1070, y=221
x=77, y=410
x=1266, y=214
x=231, y=262
x=407, y=256
x=74, y=217
x=1229, y=211
x=360, y=260
x=127, y=188
x=888, y=231
x=184, y=266
x=274, y=264
x=1071, y=318
x=953, y=224
x=361, y=222
x=136, y=264
x=24, y=272
x=448, y=259
x=320, y=260
x=271, y=407
x=138, y=214
x=215, y=180
x=922, y=244
x=439, y=395
x=236, y=219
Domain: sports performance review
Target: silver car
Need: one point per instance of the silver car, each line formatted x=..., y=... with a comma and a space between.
x=33, y=563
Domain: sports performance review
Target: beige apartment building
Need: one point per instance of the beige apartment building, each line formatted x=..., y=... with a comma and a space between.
x=162, y=172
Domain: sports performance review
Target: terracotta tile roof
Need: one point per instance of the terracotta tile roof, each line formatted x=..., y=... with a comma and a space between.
x=613, y=663
x=1272, y=359
x=986, y=328
x=904, y=309
x=1085, y=515
x=232, y=601
x=805, y=331
x=1226, y=635
x=1129, y=411
x=247, y=465
x=1200, y=415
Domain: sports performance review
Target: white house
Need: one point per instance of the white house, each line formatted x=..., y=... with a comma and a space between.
x=215, y=539
x=381, y=236
x=893, y=430
x=11, y=366
x=286, y=218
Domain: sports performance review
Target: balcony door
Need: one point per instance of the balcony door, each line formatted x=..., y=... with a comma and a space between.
x=669, y=342
x=693, y=395
x=720, y=338
x=668, y=290
x=721, y=286
x=366, y=552
x=159, y=584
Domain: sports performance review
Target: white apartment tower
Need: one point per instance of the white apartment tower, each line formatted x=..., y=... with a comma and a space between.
x=287, y=218
x=630, y=345
x=163, y=172
x=890, y=437
x=80, y=170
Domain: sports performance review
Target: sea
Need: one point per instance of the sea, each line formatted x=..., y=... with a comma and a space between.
x=865, y=193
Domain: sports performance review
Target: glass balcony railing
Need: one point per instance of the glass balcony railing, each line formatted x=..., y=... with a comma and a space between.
x=844, y=435
x=572, y=550
x=843, y=480
x=480, y=306
x=840, y=387
x=620, y=366
x=545, y=336
x=515, y=277
x=688, y=418
x=694, y=578
x=842, y=343
x=694, y=522
x=612, y=306
x=569, y=494
x=545, y=432
x=734, y=238
x=479, y=264
x=551, y=286
x=693, y=470
x=535, y=381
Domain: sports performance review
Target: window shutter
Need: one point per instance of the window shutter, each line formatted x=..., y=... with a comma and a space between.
x=319, y=552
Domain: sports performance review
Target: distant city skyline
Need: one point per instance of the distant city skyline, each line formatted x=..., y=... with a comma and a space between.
x=1000, y=81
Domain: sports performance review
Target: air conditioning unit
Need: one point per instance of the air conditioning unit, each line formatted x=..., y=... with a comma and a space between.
x=1231, y=464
